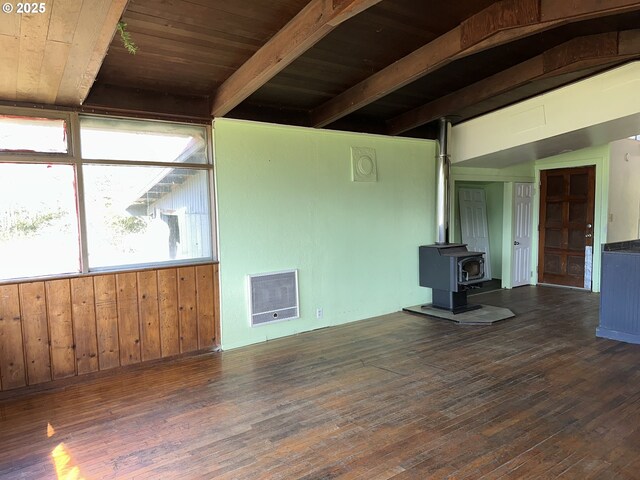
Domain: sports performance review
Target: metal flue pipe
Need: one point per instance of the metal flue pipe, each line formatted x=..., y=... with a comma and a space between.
x=442, y=181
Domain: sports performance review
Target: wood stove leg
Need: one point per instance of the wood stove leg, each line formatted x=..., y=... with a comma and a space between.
x=455, y=302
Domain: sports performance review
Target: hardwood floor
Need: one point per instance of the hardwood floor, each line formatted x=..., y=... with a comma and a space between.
x=397, y=396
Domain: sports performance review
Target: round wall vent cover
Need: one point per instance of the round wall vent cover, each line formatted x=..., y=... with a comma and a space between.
x=364, y=167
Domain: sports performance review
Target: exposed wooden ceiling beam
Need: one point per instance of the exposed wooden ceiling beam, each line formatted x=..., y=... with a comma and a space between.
x=308, y=27
x=585, y=9
x=502, y=22
x=573, y=56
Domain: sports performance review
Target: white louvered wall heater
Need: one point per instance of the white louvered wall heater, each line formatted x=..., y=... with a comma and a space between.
x=273, y=297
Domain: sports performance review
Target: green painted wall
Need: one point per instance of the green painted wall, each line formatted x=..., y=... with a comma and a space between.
x=494, y=193
x=598, y=156
x=286, y=200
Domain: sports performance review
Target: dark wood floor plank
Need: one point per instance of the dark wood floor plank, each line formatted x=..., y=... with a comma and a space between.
x=393, y=397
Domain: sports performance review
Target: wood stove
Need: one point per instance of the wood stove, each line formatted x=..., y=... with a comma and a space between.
x=450, y=270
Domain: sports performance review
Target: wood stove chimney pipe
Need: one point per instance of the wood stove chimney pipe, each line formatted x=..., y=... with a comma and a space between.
x=442, y=181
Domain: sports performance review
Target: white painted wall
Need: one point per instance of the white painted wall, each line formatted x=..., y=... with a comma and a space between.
x=588, y=113
x=624, y=191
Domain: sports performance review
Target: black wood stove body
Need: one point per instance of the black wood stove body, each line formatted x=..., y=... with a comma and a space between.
x=450, y=270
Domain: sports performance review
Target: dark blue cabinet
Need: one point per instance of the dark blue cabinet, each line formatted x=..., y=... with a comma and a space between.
x=620, y=292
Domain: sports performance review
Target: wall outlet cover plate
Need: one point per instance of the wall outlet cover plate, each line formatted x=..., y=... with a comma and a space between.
x=364, y=166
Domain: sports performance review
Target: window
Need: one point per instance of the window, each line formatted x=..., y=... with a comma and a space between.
x=139, y=194
x=38, y=221
x=146, y=214
x=140, y=207
x=21, y=134
x=115, y=139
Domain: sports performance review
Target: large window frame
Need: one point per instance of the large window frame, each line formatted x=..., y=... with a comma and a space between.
x=73, y=158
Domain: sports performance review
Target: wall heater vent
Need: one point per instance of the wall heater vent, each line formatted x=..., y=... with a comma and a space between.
x=273, y=297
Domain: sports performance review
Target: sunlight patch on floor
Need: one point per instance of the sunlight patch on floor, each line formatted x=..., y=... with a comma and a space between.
x=65, y=469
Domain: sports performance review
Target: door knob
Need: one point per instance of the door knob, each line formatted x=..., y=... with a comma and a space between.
x=516, y=243
x=588, y=235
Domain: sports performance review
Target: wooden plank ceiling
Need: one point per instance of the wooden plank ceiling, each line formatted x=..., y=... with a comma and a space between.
x=384, y=66
x=52, y=55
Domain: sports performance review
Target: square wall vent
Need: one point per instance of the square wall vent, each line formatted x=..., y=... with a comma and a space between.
x=273, y=297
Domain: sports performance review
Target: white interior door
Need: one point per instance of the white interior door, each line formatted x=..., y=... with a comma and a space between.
x=522, y=234
x=474, y=229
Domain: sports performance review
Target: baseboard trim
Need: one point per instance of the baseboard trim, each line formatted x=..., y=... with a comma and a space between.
x=616, y=335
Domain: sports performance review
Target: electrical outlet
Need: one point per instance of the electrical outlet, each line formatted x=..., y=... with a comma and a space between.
x=319, y=313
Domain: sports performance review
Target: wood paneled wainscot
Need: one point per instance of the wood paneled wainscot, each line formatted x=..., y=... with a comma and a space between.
x=55, y=329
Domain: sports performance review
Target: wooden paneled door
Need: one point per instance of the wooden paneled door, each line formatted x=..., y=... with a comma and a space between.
x=566, y=226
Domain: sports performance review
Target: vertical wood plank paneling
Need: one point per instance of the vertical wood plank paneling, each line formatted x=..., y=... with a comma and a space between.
x=107, y=321
x=205, y=299
x=216, y=301
x=168, y=306
x=128, y=318
x=84, y=324
x=149, y=315
x=55, y=329
x=12, y=370
x=35, y=332
x=63, y=362
x=187, y=309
